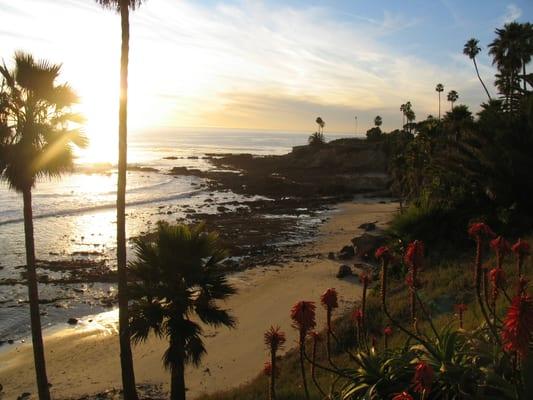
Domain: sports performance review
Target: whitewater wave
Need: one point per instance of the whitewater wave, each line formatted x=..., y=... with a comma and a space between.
x=106, y=206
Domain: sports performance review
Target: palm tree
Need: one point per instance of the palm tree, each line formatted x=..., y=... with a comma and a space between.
x=38, y=132
x=320, y=122
x=126, y=360
x=177, y=275
x=471, y=49
x=511, y=51
x=402, y=110
x=378, y=121
x=439, y=88
x=453, y=96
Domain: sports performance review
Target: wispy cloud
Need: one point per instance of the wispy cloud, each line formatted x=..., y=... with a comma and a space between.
x=512, y=13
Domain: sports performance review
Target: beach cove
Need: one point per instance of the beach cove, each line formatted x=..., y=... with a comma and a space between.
x=88, y=354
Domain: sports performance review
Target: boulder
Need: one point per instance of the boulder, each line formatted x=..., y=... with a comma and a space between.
x=368, y=226
x=344, y=270
x=331, y=255
x=366, y=244
x=72, y=321
x=346, y=253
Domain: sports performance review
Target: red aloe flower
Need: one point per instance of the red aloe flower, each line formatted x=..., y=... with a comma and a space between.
x=414, y=254
x=274, y=339
x=357, y=316
x=303, y=315
x=383, y=253
x=364, y=278
x=501, y=247
x=402, y=396
x=521, y=247
x=267, y=369
x=460, y=309
x=518, y=325
x=522, y=250
x=329, y=299
x=387, y=331
x=497, y=278
x=479, y=230
x=423, y=377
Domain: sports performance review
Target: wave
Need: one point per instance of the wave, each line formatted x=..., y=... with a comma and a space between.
x=107, y=206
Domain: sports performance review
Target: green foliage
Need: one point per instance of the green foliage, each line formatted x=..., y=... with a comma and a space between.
x=177, y=275
x=317, y=139
x=37, y=126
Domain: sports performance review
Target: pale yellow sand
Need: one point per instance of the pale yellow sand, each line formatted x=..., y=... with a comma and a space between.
x=83, y=362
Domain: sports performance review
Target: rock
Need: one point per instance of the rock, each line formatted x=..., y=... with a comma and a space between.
x=222, y=209
x=344, y=270
x=24, y=396
x=368, y=226
x=346, y=253
x=170, y=158
x=11, y=341
x=331, y=255
x=72, y=321
x=366, y=244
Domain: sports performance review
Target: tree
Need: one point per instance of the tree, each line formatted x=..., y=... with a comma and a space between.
x=316, y=139
x=453, y=96
x=378, y=121
x=439, y=88
x=320, y=122
x=177, y=275
x=512, y=50
x=38, y=130
x=471, y=49
x=126, y=360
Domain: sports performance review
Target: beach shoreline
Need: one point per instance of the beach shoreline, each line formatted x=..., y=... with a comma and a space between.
x=90, y=358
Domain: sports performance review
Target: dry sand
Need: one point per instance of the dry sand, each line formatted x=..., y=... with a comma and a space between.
x=83, y=361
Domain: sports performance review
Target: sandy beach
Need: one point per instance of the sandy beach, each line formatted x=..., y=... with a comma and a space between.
x=84, y=360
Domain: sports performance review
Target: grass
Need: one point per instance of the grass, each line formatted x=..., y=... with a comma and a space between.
x=444, y=284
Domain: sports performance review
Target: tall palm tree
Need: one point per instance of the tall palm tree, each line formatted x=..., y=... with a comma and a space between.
x=126, y=360
x=378, y=121
x=472, y=49
x=511, y=51
x=439, y=88
x=177, y=275
x=402, y=110
x=38, y=132
x=320, y=122
x=452, y=97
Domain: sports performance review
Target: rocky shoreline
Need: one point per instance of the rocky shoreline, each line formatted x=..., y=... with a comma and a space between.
x=285, y=212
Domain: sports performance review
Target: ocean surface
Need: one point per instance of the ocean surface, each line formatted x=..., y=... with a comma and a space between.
x=74, y=217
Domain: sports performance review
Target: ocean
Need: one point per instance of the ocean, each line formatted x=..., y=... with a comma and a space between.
x=74, y=217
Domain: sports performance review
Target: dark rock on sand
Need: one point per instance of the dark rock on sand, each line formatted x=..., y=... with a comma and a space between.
x=331, y=255
x=72, y=321
x=366, y=244
x=170, y=158
x=368, y=226
x=344, y=271
x=346, y=253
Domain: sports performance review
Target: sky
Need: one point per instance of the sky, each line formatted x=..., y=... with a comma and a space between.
x=271, y=64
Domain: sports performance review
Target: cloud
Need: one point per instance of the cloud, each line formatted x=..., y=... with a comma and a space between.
x=512, y=13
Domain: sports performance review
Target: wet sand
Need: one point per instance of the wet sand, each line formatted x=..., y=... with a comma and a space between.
x=84, y=361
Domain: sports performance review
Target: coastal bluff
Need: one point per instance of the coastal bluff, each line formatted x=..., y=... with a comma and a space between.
x=343, y=166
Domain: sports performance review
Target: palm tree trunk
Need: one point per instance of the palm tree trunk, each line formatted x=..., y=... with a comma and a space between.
x=177, y=380
x=33, y=296
x=126, y=359
x=479, y=77
x=273, y=376
x=524, y=73
x=439, y=105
